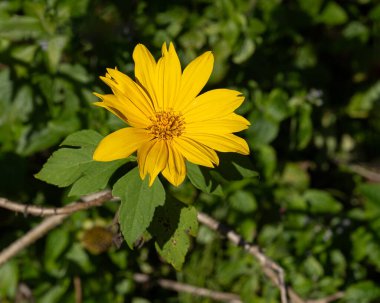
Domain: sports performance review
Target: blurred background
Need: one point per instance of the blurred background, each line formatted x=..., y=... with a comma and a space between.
x=310, y=71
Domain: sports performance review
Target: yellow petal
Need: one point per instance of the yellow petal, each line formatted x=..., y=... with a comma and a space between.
x=113, y=110
x=168, y=77
x=132, y=91
x=223, y=143
x=229, y=124
x=213, y=104
x=124, y=109
x=195, y=152
x=152, y=158
x=194, y=78
x=175, y=171
x=145, y=71
x=120, y=144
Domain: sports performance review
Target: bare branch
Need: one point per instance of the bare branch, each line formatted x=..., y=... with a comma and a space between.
x=30, y=237
x=182, y=287
x=272, y=270
x=57, y=217
x=78, y=289
x=370, y=174
x=28, y=209
x=328, y=299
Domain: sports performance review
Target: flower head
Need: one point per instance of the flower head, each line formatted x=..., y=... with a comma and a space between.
x=169, y=122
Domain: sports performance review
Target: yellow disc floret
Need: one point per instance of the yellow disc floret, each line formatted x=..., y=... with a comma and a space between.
x=166, y=125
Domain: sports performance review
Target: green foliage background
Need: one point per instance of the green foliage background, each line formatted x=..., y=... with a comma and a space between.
x=310, y=72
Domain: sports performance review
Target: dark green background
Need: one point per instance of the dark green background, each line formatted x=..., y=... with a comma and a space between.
x=310, y=72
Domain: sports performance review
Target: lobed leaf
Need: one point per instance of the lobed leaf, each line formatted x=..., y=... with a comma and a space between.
x=73, y=165
x=138, y=203
x=201, y=178
x=172, y=226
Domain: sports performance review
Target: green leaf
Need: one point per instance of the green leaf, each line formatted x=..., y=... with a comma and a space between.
x=264, y=129
x=245, y=51
x=371, y=192
x=95, y=177
x=8, y=279
x=172, y=226
x=313, y=268
x=256, y=27
x=358, y=31
x=295, y=175
x=266, y=155
x=311, y=7
x=22, y=105
x=235, y=167
x=54, y=51
x=276, y=106
x=243, y=201
x=83, y=138
x=25, y=53
x=56, y=242
x=333, y=14
x=20, y=27
x=321, y=202
x=56, y=292
x=202, y=179
x=66, y=165
x=38, y=139
x=374, y=14
x=363, y=102
x=305, y=127
x=73, y=165
x=78, y=255
x=362, y=292
x=138, y=203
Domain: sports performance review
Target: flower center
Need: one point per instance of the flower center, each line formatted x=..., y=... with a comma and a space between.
x=166, y=125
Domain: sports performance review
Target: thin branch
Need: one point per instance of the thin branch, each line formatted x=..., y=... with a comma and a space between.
x=78, y=289
x=194, y=290
x=272, y=270
x=30, y=237
x=34, y=210
x=57, y=215
x=363, y=171
x=334, y=297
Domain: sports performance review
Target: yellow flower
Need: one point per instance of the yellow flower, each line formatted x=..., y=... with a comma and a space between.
x=168, y=121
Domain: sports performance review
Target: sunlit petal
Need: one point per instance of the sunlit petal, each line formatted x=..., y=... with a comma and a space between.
x=120, y=144
x=196, y=152
x=229, y=124
x=222, y=143
x=175, y=171
x=152, y=158
x=213, y=104
x=131, y=90
x=145, y=71
x=123, y=109
x=168, y=77
x=194, y=78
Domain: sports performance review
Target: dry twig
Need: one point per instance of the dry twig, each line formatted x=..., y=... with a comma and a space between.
x=34, y=210
x=182, y=287
x=78, y=289
x=272, y=270
x=372, y=175
x=328, y=299
x=57, y=215
x=30, y=237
